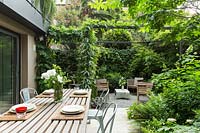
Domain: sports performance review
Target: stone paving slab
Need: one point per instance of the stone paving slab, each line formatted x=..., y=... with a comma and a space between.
x=121, y=124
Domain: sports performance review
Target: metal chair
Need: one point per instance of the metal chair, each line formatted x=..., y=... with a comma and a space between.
x=103, y=98
x=27, y=93
x=100, y=101
x=100, y=114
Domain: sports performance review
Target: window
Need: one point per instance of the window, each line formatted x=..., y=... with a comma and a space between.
x=9, y=69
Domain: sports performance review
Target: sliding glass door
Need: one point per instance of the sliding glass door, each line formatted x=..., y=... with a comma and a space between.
x=9, y=69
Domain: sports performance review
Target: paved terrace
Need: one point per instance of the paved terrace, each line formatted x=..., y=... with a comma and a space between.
x=121, y=123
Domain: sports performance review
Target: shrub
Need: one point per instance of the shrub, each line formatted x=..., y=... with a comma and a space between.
x=113, y=79
x=179, y=98
x=156, y=107
x=145, y=62
x=117, y=35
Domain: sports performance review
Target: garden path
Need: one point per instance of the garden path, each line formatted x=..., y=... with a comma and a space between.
x=121, y=124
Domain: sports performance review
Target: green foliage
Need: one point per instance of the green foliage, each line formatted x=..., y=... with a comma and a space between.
x=45, y=59
x=85, y=63
x=70, y=38
x=118, y=35
x=122, y=81
x=47, y=7
x=88, y=57
x=154, y=13
x=179, y=97
x=113, y=64
x=152, y=126
x=156, y=107
x=145, y=62
x=113, y=78
x=156, y=126
x=109, y=4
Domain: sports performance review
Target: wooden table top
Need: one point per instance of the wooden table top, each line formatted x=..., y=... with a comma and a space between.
x=42, y=121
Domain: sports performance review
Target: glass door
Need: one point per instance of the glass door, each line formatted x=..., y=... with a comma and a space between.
x=9, y=69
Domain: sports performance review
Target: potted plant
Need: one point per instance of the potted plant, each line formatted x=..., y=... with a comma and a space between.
x=55, y=79
x=122, y=82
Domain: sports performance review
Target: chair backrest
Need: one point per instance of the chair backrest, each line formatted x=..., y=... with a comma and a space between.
x=102, y=84
x=142, y=89
x=102, y=99
x=138, y=79
x=130, y=82
x=109, y=117
x=27, y=93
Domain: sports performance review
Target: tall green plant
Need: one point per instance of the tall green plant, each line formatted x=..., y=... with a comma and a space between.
x=45, y=59
x=88, y=56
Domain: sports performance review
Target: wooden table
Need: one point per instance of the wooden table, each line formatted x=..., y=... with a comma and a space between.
x=42, y=121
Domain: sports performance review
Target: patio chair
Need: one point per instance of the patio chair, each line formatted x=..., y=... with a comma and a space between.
x=102, y=99
x=142, y=89
x=27, y=93
x=132, y=83
x=101, y=113
x=102, y=84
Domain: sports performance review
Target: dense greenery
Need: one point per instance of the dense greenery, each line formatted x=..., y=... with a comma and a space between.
x=88, y=57
x=171, y=30
x=179, y=97
x=80, y=65
x=164, y=42
x=111, y=63
x=45, y=59
x=115, y=37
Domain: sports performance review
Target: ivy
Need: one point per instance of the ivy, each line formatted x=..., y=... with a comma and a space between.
x=45, y=59
x=88, y=57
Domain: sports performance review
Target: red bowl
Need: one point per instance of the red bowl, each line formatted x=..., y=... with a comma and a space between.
x=21, y=109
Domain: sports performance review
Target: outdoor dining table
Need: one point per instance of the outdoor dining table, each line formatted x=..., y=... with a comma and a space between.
x=42, y=121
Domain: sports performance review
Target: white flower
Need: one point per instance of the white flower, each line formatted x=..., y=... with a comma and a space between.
x=51, y=72
x=60, y=79
x=45, y=76
x=171, y=120
x=189, y=121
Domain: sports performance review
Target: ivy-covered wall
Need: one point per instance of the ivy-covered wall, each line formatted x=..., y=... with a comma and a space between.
x=84, y=59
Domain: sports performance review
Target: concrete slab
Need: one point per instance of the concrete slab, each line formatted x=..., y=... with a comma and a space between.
x=121, y=123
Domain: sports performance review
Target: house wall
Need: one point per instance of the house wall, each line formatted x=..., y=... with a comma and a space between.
x=27, y=51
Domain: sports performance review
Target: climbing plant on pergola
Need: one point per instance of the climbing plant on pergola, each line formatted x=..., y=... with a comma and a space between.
x=85, y=38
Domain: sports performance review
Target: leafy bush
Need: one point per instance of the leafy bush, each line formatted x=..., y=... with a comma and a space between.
x=113, y=79
x=117, y=35
x=179, y=98
x=45, y=58
x=145, y=62
x=156, y=107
